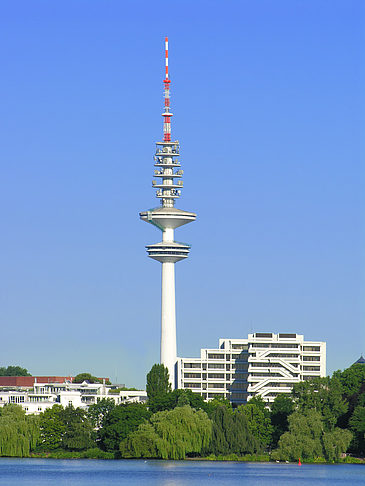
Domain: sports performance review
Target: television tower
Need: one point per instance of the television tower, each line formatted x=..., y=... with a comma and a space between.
x=167, y=218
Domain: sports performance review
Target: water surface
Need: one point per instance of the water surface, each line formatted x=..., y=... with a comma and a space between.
x=39, y=472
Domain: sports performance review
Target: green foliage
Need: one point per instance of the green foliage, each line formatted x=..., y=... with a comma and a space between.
x=308, y=439
x=98, y=412
x=171, y=434
x=357, y=426
x=18, y=433
x=121, y=421
x=52, y=428
x=157, y=381
x=88, y=377
x=13, y=371
x=281, y=408
x=77, y=435
x=170, y=400
x=94, y=453
x=212, y=405
x=259, y=423
x=231, y=433
x=222, y=431
x=352, y=379
x=323, y=395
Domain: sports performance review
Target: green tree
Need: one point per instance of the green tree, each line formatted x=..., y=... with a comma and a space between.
x=352, y=380
x=18, y=433
x=158, y=381
x=170, y=400
x=308, y=439
x=231, y=433
x=258, y=417
x=13, y=371
x=88, y=377
x=52, y=428
x=98, y=412
x=121, y=421
x=171, y=434
x=77, y=435
x=323, y=395
x=357, y=426
x=281, y=408
x=222, y=431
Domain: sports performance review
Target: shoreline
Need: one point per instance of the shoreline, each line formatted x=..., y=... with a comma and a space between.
x=102, y=455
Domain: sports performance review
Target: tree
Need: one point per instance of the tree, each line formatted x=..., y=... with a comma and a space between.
x=86, y=377
x=231, y=433
x=98, y=412
x=357, y=426
x=121, y=421
x=170, y=400
x=352, y=380
x=259, y=422
x=307, y=438
x=18, y=433
x=77, y=435
x=52, y=428
x=281, y=408
x=323, y=395
x=171, y=434
x=13, y=371
x=222, y=431
x=158, y=381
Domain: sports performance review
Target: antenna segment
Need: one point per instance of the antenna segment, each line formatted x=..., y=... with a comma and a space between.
x=167, y=115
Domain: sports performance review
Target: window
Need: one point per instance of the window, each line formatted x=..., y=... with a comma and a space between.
x=215, y=356
x=241, y=367
x=216, y=366
x=215, y=395
x=311, y=368
x=216, y=375
x=192, y=365
x=244, y=347
x=239, y=396
x=311, y=348
x=191, y=385
x=311, y=358
x=192, y=375
x=215, y=385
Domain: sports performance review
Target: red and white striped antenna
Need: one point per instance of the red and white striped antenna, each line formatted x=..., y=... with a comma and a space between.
x=167, y=115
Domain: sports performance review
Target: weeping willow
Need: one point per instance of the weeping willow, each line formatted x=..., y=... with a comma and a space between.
x=18, y=433
x=170, y=435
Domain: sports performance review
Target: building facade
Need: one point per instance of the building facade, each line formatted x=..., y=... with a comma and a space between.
x=264, y=364
x=36, y=399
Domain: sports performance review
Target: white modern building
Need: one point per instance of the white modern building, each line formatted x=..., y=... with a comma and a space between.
x=264, y=364
x=80, y=395
x=167, y=218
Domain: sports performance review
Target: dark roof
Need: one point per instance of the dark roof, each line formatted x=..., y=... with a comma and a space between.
x=361, y=360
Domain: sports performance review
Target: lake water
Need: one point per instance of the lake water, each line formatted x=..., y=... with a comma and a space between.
x=38, y=472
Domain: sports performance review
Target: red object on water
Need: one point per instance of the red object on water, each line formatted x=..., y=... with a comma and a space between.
x=299, y=463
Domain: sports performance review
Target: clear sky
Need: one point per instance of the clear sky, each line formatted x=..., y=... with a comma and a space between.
x=269, y=106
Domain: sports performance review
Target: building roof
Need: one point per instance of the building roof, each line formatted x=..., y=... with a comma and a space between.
x=361, y=360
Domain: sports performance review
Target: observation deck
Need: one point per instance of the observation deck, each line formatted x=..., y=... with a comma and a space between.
x=168, y=251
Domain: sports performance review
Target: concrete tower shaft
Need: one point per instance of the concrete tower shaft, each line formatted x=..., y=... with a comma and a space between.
x=167, y=218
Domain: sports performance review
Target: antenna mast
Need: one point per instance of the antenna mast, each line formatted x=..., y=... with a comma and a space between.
x=167, y=115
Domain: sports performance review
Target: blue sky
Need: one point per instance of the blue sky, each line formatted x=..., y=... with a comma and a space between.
x=269, y=109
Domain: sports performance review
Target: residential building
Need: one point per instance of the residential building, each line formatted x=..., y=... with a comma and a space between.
x=41, y=396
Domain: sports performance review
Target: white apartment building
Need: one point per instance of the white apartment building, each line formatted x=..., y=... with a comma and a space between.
x=80, y=395
x=264, y=364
